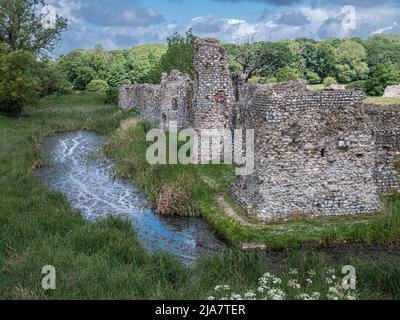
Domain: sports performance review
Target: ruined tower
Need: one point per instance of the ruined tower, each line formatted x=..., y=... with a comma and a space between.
x=314, y=154
x=214, y=98
x=176, y=99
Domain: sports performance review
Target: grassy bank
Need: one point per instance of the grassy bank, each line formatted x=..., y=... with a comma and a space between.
x=105, y=260
x=195, y=189
x=383, y=101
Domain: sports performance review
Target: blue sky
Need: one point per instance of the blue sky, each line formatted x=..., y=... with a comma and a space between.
x=119, y=24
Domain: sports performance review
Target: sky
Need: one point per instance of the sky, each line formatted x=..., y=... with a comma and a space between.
x=119, y=24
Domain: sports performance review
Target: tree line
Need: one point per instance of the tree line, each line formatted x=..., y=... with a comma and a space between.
x=27, y=73
x=370, y=64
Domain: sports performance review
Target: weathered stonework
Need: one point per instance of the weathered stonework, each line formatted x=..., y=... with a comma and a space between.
x=176, y=100
x=392, y=92
x=213, y=89
x=385, y=126
x=316, y=153
x=143, y=98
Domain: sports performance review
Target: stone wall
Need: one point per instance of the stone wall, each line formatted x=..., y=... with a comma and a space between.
x=385, y=125
x=213, y=89
x=392, y=92
x=143, y=98
x=314, y=154
x=176, y=100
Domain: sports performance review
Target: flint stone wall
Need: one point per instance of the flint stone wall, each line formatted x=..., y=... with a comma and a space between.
x=214, y=97
x=143, y=98
x=385, y=126
x=314, y=154
x=176, y=100
x=392, y=91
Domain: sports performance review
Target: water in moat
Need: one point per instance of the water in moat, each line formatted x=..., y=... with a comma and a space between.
x=88, y=183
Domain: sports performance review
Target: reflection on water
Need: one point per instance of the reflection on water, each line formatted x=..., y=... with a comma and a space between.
x=90, y=187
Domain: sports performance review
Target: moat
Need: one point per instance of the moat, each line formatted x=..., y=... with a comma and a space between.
x=87, y=180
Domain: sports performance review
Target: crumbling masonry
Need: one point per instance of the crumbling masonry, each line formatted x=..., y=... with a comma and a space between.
x=316, y=153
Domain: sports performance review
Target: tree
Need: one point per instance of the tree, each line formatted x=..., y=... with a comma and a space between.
x=97, y=86
x=329, y=81
x=313, y=77
x=287, y=74
x=179, y=56
x=22, y=26
x=18, y=81
x=252, y=58
x=324, y=63
x=382, y=76
x=351, y=62
x=83, y=66
x=382, y=52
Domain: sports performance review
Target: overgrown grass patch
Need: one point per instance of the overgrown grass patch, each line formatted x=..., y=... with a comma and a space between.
x=383, y=101
x=197, y=187
x=105, y=260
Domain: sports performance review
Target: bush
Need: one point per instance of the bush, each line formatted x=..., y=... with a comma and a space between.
x=98, y=86
x=382, y=76
x=356, y=85
x=286, y=74
x=18, y=81
x=52, y=80
x=111, y=96
x=329, y=81
x=313, y=78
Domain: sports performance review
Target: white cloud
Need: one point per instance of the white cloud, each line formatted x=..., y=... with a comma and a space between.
x=90, y=23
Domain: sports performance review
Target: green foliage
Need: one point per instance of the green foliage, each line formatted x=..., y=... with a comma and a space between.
x=51, y=79
x=111, y=96
x=313, y=78
x=351, y=62
x=105, y=260
x=97, y=86
x=329, y=81
x=356, y=85
x=82, y=66
x=117, y=73
x=383, y=49
x=287, y=74
x=18, y=81
x=179, y=56
x=324, y=60
x=134, y=65
x=382, y=76
x=22, y=29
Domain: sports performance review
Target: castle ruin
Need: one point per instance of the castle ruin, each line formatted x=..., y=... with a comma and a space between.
x=316, y=152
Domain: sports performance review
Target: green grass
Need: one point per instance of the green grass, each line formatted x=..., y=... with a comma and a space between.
x=199, y=186
x=104, y=260
x=317, y=87
x=383, y=101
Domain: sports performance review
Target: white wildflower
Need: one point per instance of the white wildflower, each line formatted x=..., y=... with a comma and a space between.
x=294, y=284
x=294, y=272
x=311, y=273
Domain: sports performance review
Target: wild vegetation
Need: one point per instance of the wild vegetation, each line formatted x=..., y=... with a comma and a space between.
x=193, y=191
x=105, y=259
x=101, y=260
